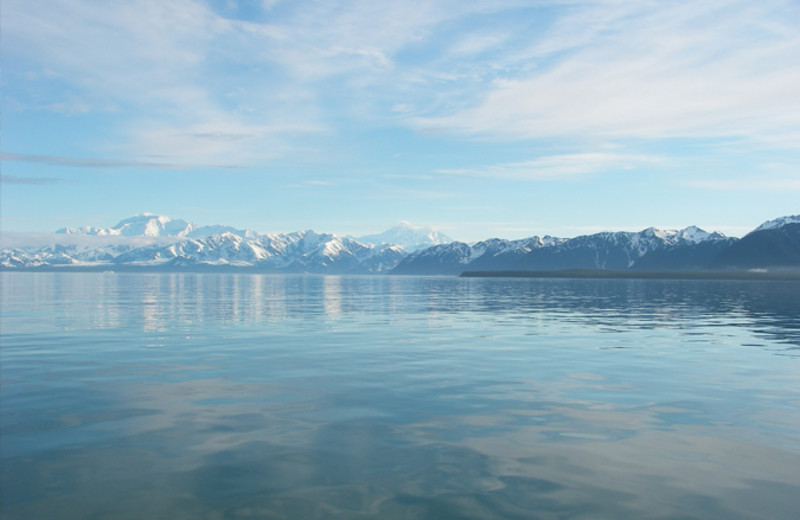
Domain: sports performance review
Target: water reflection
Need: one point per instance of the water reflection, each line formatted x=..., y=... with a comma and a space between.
x=228, y=396
x=165, y=301
x=332, y=296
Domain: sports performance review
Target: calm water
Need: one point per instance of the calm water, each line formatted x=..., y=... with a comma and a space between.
x=245, y=396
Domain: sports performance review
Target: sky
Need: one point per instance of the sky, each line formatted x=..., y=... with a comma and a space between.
x=479, y=118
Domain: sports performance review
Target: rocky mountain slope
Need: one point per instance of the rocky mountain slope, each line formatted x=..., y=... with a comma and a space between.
x=770, y=246
x=774, y=244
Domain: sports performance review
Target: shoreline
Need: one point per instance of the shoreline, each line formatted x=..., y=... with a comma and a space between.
x=639, y=275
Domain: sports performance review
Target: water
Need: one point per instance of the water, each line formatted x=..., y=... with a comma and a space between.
x=245, y=396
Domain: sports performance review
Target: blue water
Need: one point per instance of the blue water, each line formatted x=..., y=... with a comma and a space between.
x=247, y=396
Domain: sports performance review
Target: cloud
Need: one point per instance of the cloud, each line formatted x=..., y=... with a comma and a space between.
x=67, y=108
x=648, y=71
x=76, y=162
x=406, y=194
x=176, y=58
x=776, y=184
x=25, y=240
x=127, y=50
x=221, y=138
x=402, y=108
x=36, y=181
x=163, y=67
x=558, y=166
x=193, y=85
x=477, y=43
x=310, y=183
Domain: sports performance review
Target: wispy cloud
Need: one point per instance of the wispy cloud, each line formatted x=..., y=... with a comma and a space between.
x=193, y=85
x=76, y=162
x=35, y=181
x=778, y=184
x=649, y=70
x=17, y=239
x=558, y=166
x=312, y=183
x=164, y=66
x=395, y=193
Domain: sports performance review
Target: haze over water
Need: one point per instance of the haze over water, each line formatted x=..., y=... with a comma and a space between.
x=254, y=396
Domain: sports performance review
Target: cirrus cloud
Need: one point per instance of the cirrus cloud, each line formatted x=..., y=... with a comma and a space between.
x=649, y=71
x=558, y=167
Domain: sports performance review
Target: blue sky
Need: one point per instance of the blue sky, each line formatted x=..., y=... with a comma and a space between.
x=480, y=118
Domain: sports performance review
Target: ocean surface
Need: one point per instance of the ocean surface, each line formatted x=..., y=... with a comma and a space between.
x=205, y=396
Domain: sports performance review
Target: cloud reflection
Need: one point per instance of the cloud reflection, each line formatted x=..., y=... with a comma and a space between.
x=364, y=397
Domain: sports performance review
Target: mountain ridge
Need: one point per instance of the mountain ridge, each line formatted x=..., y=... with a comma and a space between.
x=174, y=244
x=604, y=250
x=412, y=238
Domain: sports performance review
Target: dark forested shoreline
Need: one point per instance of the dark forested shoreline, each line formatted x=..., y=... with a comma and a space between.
x=640, y=275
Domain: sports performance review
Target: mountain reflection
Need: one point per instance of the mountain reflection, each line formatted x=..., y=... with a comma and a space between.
x=768, y=309
x=225, y=396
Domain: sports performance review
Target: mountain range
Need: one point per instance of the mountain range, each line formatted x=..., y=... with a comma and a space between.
x=159, y=242
x=165, y=244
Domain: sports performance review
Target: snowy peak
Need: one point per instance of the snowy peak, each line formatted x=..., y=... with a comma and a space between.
x=154, y=241
x=695, y=235
x=83, y=230
x=150, y=225
x=691, y=235
x=142, y=225
x=779, y=222
x=607, y=250
x=411, y=237
x=207, y=231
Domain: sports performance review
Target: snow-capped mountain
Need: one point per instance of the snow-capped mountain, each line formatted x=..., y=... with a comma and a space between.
x=331, y=253
x=410, y=237
x=142, y=225
x=154, y=242
x=607, y=250
x=68, y=254
x=175, y=244
x=455, y=257
x=207, y=231
x=225, y=248
x=779, y=222
x=767, y=246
